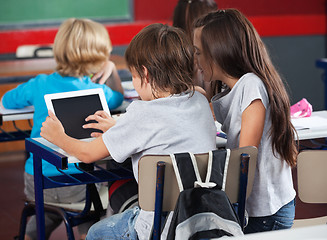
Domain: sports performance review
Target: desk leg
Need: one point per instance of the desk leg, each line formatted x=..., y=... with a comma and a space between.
x=39, y=200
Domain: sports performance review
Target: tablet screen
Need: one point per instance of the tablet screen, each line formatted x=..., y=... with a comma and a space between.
x=71, y=108
x=72, y=113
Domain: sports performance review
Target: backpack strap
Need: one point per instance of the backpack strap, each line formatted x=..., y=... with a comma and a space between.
x=217, y=167
x=187, y=172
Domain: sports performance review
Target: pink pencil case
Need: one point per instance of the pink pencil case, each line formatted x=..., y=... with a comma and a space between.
x=301, y=109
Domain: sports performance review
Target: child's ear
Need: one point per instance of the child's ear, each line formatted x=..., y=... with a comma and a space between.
x=146, y=74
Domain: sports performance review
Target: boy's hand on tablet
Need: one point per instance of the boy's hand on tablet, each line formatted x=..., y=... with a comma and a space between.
x=103, y=122
x=52, y=129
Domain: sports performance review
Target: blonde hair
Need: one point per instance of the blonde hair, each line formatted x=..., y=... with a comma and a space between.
x=81, y=46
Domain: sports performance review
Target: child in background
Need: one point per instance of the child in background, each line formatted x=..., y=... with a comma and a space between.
x=185, y=13
x=254, y=110
x=170, y=118
x=81, y=48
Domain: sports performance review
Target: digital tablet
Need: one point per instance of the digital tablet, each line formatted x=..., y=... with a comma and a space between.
x=71, y=108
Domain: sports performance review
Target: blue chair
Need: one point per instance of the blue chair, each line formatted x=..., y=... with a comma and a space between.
x=72, y=214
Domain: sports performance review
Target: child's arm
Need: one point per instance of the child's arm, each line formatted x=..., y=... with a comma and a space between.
x=253, y=120
x=109, y=75
x=87, y=152
x=103, y=122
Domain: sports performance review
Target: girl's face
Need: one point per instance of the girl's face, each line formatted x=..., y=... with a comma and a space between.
x=209, y=72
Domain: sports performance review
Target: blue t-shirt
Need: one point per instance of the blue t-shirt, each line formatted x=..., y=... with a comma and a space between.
x=32, y=93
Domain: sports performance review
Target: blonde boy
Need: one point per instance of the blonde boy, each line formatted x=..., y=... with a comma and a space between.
x=81, y=48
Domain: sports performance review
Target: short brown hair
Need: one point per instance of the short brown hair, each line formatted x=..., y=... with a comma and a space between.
x=81, y=47
x=167, y=54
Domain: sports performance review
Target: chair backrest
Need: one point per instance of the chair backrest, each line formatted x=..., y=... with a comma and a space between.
x=147, y=177
x=312, y=176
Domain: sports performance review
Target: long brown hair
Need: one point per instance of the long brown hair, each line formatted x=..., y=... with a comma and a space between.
x=229, y=39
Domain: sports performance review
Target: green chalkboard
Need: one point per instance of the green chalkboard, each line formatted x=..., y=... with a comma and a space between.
x=48, y=11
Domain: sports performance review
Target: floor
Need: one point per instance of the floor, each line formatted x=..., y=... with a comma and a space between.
x=12, y=198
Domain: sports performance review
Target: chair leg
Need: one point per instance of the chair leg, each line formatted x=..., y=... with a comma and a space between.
x=158, y=200
x=69, y=230
x=65, y=217
x=28, y=211
x=243, y=187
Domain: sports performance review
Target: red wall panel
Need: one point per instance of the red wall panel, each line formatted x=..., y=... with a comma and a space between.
x=154, y=9
x=270, y=17
x=276, y=7
x=163, y=9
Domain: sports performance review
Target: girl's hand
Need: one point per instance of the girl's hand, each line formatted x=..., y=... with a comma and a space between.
x=104, y=73
x=104, y=122
x=52, y=129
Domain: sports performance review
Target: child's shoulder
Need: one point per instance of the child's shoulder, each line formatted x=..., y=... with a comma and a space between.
x=250, y=77
x=42, y=77
x=250, y=80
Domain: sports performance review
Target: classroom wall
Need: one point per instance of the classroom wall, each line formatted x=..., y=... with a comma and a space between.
x=294, y=31
x=295, y=57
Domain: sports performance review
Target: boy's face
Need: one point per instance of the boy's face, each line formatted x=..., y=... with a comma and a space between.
x=144, y=90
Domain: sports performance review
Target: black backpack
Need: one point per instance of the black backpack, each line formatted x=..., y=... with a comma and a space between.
x=203, y=209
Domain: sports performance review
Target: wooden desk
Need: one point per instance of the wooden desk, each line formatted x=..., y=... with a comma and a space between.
x=22, y=70
x=306, y=132
x=16, y=114
x=309, y=131
x=59, y=160
x=13, y=129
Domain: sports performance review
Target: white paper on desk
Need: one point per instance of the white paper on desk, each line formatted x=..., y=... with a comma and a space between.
x=5, y=111
x=313, y=122
x=129, y=91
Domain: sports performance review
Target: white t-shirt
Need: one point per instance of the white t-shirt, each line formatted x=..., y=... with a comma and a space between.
x=273, y=184
x=179, y=123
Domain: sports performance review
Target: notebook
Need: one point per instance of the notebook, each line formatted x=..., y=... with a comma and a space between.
x=71, y=108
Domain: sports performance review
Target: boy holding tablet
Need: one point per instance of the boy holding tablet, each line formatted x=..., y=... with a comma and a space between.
x=81, y=48
x=170, y=117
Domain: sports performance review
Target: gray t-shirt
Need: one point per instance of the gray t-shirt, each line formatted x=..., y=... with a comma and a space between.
x=179, y=123
x=273, y=185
